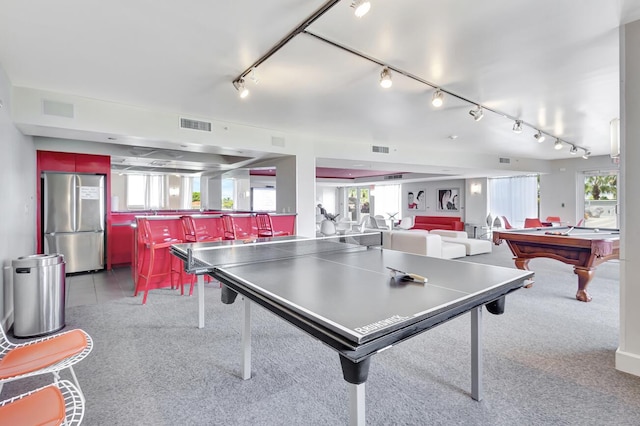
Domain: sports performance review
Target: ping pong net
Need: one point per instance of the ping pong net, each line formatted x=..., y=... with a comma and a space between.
x=204, y=257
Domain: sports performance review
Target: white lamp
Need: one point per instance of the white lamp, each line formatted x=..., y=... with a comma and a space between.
x=614, y=128
x=476, y=188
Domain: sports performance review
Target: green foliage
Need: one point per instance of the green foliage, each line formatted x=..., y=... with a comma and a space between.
x=195, y=196
x=227, y=203
x=601, y=187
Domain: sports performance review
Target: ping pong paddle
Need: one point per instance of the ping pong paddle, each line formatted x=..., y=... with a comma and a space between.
x=405, y=276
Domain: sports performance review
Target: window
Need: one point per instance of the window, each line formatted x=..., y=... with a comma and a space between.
x=263, y=199
x=516, y=198
x=136, y=192
x=387, y=200
x=162, y=192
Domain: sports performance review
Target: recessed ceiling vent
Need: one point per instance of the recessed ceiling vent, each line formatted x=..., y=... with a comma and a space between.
x=380, y=149
x=59, y=109
x=505, y=160
x=277, y=141
x=185, y=123
x=392, y=177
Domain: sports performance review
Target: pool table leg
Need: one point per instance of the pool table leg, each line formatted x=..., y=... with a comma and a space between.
x=584, y=277
x=524, y=265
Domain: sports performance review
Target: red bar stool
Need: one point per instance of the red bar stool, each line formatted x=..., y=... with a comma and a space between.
x=228, y=227
x=265, y=226
x=193, y=235
x=155, y=241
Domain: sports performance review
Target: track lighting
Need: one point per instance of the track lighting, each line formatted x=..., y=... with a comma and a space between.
x=242, y=91
x=586, y=154
x=438, y=99
x=361, y=7
x=385, y=78
x=558, y=144
x=573, y=150
x=477, y=113
x=517, y=126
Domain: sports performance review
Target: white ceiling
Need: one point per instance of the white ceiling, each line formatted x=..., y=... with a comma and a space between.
x=553, y=64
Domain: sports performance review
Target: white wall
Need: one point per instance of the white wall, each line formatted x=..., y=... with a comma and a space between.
x=431, y=197
x=18, y=192
x=476, y=205
x=564, y=185
x=628, y=353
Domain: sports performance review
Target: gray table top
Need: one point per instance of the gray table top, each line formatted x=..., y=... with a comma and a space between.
x=347, y=290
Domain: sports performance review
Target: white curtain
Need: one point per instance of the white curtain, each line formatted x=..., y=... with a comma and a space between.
x=516, y=198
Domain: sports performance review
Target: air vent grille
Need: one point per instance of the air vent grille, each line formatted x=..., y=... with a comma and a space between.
x=277, y=141
x=505, y=160
x=392, y=177
x=59, y=109
x=185, y=123
x=380, y=149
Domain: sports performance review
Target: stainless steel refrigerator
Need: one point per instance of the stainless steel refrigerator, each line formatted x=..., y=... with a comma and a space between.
x=74, y=219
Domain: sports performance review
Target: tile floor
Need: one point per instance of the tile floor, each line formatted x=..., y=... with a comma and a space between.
x=99, y=287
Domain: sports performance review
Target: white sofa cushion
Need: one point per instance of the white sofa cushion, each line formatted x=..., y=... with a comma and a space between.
x=452, y=250
x=450, y=234
x=406, y=223
x=417, y=242
x=471, y=245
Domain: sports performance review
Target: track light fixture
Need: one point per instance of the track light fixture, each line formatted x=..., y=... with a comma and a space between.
x=477, y=113
x=242, y=90
x=586, y=154
x=558, y=144
x=438, y=98
x=573, y=150
x=517, y=126
x=361, y=7
x=385, y=78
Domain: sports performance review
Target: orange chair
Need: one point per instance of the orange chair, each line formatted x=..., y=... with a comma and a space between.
x=50, y=354
x=155, y=241
x=507, y=225
x=554, y=220
x=265, y=226
x=56, y=404
x=532, y=222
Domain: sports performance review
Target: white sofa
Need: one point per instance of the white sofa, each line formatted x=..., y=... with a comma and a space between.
x=472, y=246
x=421, y=242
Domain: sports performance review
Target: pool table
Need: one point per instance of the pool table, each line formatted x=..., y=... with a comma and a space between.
x=584, y=248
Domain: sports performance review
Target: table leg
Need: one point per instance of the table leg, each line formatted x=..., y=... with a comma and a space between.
x=524, y=265
x=476, y=353
x=200, y=301
x=356, y=373
x=246, y=341
x=356, y=404
x=584, y=278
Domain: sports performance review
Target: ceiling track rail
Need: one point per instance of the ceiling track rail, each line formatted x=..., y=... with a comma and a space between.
x=302, y=29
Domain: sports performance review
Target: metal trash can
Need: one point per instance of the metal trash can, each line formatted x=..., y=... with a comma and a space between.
x=38, y=294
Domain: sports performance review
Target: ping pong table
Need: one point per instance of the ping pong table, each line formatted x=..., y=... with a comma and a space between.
x=342, y=292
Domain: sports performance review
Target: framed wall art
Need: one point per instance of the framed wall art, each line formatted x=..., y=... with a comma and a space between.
x=448, y=200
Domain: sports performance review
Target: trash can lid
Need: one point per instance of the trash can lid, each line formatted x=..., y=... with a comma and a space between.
x=37, y=260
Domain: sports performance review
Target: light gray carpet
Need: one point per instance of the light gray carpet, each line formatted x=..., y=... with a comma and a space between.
x=549, y=360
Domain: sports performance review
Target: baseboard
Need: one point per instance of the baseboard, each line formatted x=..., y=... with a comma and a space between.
x=628, y=362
